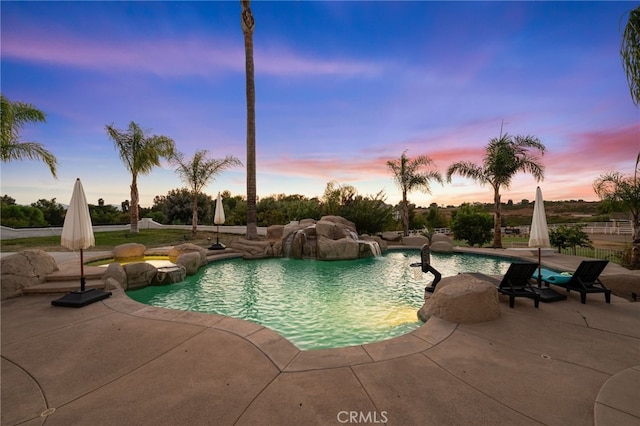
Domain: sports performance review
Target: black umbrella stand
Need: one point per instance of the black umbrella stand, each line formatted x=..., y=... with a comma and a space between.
x=217, y=245
x=547, y=294
x=78, y=299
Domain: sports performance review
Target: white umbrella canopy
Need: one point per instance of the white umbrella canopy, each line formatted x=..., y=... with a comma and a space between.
x=77, y=234
x=539, y=235
x=218, y=217
x=77, y=231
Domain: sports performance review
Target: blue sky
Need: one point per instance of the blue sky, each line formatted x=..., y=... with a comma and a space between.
x=341, y=88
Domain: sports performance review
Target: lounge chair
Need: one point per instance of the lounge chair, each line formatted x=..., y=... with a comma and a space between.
x=515, y=282
x=586, y=280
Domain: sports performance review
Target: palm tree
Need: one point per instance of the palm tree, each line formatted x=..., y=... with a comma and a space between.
x=197, y=172
x=407, y=176
x=13, y=117
x=140, y=154
x=630, y=52
x=505, y=157
x=248, y=24
x=624, y=191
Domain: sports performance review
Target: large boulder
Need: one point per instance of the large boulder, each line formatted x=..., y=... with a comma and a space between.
x=441, y=237
x=441, y=247
x=185, y=248
x=129, y=251
x=340, y=220
x=190, y=262
x=415, y=241
x=275, y=232
x=391, y=236
x=170, y=274
x=343, y=249
x=116, y=272
x=139, y=275
x=252, y=249
x=24, y=269
x=462, y=299
x=331, y=230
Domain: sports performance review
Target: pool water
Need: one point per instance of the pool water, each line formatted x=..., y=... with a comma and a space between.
x=318, y=304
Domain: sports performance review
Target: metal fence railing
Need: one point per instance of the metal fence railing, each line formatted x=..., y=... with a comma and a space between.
x=613, y=255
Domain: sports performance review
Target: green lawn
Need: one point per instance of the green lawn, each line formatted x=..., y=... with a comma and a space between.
x=108, y=240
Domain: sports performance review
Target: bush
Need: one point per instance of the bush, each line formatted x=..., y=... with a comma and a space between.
x=569, y=236
x=370, y=214
x=15, y=216
x=472, y=224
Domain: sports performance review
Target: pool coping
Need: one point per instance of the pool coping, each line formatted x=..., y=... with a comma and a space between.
x=281, y=351
x=284, y=354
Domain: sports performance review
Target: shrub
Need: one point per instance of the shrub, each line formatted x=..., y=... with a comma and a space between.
x=472, y=224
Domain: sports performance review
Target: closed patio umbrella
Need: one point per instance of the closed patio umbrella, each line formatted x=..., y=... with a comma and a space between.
x=77, y=234
x=539, y=237
x=218, y=219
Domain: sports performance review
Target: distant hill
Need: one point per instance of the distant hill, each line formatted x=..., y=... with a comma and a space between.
x=557, y=212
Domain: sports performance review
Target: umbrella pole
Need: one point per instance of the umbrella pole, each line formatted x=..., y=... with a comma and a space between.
x=218, y=235
x=539, y=268
x=81, y=271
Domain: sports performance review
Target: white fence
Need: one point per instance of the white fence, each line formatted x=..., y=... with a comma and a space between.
x=145, y=223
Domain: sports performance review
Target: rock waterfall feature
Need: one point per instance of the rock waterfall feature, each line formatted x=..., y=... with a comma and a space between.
x=330, y=238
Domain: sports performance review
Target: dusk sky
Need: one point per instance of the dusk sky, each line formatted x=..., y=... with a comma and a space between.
x=341, y=88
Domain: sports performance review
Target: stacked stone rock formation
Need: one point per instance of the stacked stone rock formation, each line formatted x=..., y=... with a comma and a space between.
x=330, y=238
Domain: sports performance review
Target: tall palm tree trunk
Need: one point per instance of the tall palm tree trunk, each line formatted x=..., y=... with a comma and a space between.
x=497, y=220
x=248, y=24
x=194, y=217
x=134, y=205
x=405, y=214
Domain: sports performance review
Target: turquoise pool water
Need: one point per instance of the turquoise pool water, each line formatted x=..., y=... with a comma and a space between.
x=318, y=304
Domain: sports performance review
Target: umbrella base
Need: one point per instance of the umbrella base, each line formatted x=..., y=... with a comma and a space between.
x=548, y=295
x=78, y=299
x=217, y=246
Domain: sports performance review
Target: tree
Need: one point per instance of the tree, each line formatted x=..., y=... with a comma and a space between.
x=335, y=196
x=623, y=192
x=140, y=154
x=505, y=157
x=248, y=24
x=370, y=214
x=197, y=172
x=53, y=211
x=630, y=52
x=408, y=178
x=177, y=206
x=569, y=236
x=435, y=218
x=14, y=216
x=6, y=200
x=12, y=120
x=472, y=224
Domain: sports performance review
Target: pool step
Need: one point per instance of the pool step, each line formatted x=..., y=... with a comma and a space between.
x=66, y=273
x=62, y=286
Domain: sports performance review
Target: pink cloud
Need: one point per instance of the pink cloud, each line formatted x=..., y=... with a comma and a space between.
x=170, y=57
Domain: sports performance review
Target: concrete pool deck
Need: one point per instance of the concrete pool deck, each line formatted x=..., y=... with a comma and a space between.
x=121, y=362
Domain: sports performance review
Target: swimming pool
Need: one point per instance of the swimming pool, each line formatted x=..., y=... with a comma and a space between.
x=318, y=304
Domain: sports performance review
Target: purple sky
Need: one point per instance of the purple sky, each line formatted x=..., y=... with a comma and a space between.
x=341, y=88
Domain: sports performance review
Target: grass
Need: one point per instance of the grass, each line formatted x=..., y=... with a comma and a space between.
x=150, y=238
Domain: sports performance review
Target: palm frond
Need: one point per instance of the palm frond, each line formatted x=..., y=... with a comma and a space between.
x=630, y=54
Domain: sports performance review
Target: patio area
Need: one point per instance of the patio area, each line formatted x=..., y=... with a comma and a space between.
x=118, y=361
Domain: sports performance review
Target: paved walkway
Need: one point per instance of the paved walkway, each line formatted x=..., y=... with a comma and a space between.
x=120, y=362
